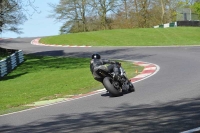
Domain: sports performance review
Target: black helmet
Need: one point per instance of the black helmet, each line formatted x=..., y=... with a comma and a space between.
x=96, y=56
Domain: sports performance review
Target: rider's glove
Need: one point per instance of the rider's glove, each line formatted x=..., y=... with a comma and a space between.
x=118, y=63
x=112, y=62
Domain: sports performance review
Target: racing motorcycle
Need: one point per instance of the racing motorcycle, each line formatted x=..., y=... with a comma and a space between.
x=116, y=87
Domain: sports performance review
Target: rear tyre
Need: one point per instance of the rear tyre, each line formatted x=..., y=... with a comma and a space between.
x=107, y=82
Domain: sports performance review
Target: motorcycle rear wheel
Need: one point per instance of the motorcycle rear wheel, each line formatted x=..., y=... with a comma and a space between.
x=107, y=82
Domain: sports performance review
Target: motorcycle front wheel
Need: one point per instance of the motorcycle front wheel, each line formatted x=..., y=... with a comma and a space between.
x=131, y=87
x=108, y=84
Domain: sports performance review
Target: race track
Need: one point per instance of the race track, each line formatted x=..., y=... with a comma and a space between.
x=168, y=102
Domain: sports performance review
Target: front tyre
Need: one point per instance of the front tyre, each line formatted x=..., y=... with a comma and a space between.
x=107, y=82
x=131, y=87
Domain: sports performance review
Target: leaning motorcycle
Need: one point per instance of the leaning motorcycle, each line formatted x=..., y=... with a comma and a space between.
x=116, y=87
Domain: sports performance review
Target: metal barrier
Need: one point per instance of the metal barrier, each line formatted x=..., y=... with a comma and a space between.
x=173, y=24
x=11, y=62
x=189, y=23
x=179, y=23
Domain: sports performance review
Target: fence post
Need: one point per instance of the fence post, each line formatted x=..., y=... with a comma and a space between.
x=12, y=61
x=21, y=56
x=8, y=63
x=3, y=68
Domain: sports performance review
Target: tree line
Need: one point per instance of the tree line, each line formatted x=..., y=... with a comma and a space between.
x=92, y=15
x=14, y=13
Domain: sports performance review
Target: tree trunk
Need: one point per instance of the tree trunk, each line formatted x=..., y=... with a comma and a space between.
x=83, y=14
x=137, y=12
x=1, y=15
x=163, y=11
x=126, y=9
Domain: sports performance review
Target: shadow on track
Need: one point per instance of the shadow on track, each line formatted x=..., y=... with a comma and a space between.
x=6, y=41
x=112, y=53
x=170, y=117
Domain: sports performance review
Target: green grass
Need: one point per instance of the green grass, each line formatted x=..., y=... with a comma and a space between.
x=130, y=37
x=3, y=55
x=43, y=78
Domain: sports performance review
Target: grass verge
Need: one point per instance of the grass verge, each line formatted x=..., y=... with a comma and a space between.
x=44, y=78
x=130, y=37
x=3, y=56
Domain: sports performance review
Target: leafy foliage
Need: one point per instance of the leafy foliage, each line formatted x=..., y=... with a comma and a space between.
x=93, y=15
x=11, y=15
x=14, y=13
x=196, y=8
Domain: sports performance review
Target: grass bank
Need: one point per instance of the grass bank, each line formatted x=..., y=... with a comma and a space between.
x=130, y=37
x=45, y=78
x=3, y=55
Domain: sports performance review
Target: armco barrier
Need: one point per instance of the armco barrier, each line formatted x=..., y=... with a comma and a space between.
x=11, y=62
x=173, y=24
x=189, y=23
x=179, y=23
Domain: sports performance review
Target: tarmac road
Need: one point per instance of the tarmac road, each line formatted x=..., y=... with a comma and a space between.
x=166, y=102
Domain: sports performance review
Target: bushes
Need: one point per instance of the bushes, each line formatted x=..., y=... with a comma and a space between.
x=6, y=52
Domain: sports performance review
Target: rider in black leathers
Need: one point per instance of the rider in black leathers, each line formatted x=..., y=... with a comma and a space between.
x=98, y=63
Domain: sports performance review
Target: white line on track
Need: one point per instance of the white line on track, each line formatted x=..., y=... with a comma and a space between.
x=192, y=130
x=157, y=70
x=67, y=100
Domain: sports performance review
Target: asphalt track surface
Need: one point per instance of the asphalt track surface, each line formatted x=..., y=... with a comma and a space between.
x=167, y=102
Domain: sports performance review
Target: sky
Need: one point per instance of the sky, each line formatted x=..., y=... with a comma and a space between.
x=37, y=24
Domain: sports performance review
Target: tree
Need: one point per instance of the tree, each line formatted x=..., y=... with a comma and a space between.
x=103, y=7
x=196, y=7
x=14, y=13
x=73, y=13
x=163, y=11
x=141, y=12
x=126, y=15
x=92, y=15
x=144, y=6
x=125, y=8
x=11, y=16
